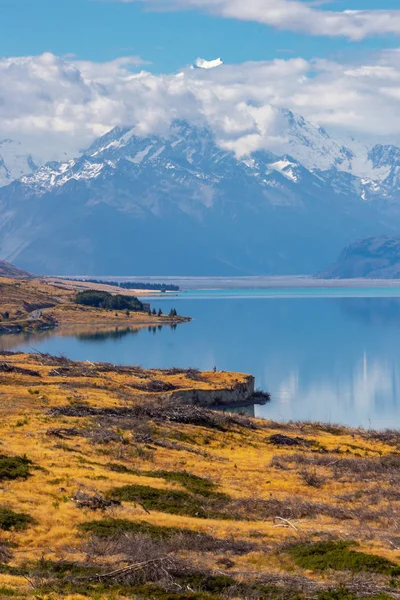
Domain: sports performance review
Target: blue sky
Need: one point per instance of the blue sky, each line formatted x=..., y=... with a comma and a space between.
x=104, y=30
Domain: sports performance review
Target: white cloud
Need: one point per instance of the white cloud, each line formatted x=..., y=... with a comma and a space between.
x=294, y=15
x=56, y=105
x=201, y=63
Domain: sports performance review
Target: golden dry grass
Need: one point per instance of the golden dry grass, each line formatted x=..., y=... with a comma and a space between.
x=56, y=302
x=239, y=458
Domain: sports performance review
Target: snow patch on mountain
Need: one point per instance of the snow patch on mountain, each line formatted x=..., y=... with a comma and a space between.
x=286, y=167
x=137, y=159
x=56, y=175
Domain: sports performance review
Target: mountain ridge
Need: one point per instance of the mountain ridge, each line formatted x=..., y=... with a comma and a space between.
x=370, y=258
x=9, y=271
x=182, y=203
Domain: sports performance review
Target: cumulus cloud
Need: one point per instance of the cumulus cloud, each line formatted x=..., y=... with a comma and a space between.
x=57, y=105
x=201, y=63
x=294, y=15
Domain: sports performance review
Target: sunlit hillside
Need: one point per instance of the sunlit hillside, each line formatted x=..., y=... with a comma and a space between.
x=110, y=489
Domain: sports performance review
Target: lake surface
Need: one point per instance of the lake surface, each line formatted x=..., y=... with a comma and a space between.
x=328, y=355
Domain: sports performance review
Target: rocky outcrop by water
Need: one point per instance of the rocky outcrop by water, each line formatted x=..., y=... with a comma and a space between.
x=238, y=394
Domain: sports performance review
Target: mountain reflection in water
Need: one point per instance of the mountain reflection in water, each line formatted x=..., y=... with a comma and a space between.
x=373, y=311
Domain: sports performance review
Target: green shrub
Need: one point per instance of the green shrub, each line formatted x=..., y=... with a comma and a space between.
x=14, y=571
x=214, y=584
x=175, y=502
x=99, y=299
x=60, y=569
x=14, y=467
x=320, y=556
x=158, y=593
x=203, y=586
x=113, y=527
x=13, y=520
x=193, y=483
x=5, y=591
x=118, y=468
x=343, y=594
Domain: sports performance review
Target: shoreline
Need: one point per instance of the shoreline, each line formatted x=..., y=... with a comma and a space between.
x=92, y=326
x=180, y=386
x=216, y=283
x=37, y=305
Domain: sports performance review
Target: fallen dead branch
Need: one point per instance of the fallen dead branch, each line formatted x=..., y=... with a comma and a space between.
x=284, y=523
x=93, y=501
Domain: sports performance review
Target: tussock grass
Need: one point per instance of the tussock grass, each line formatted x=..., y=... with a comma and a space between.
x=217, y=488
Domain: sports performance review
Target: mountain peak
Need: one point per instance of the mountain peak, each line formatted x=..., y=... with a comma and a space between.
x=210, y=211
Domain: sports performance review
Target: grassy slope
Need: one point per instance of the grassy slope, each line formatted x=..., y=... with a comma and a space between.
x=20, y=298
x=334, y=484
x=7, y=270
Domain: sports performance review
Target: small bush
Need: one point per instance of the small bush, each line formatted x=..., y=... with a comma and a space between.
x=124, y=537
x=13, y=520
x=344, y=594
x=118, y=468
x=214, y=584
x=14, y=467
x=158, y=593
x=321, y=556
x=5, y=591
x=175, y=502
x=193, y=483
x=5, y=553
x=60, y=569
x=312, y=479
x=181, y=436
x=114, y=527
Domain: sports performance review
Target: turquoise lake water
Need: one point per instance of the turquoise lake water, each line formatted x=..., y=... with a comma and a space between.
x=324, y=354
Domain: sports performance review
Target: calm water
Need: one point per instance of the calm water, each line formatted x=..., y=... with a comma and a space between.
x=322, y=356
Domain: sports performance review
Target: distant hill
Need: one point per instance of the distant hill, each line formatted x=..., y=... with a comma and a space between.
x=372, y=258
x=7, y=270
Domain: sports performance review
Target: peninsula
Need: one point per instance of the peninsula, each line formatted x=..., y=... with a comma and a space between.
x=34, y=304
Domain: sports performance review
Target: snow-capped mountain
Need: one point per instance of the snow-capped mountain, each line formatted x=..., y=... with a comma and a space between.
x=180, y=204
x=309, y=144
x=192, y=151
x=14, y=162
